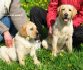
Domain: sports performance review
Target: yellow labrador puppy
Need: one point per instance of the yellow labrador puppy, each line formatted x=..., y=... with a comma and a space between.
x=25, y=42
x=62, y=30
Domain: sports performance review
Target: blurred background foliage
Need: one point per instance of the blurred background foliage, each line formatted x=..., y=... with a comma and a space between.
x=28, y=4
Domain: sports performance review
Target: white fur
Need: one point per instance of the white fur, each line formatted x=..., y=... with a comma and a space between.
x=24, y=47
x=62, y=31
x=8, y=54
x=62, y=35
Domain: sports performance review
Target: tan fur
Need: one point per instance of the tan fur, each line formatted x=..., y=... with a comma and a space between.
x=62, y=31
x=25, y=29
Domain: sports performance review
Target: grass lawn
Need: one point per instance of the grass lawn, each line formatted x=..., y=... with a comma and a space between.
x=64, y=61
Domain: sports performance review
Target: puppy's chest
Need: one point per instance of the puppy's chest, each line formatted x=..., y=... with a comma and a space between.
x=31, y=44
x=28, y=44
x=63, y=33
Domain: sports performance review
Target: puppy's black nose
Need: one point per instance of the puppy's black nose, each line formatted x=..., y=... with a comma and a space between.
x=65, y=15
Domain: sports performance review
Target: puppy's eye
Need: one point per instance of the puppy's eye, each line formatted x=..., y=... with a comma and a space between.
x=69, y=9
x=63, y=9
x=31, y=28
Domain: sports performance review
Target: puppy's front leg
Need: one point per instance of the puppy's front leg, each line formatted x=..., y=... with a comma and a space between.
x=33, y=54
x=20, y=55
x=69, y=45
x=45, y=44
x=54, y=46
x=4, y=56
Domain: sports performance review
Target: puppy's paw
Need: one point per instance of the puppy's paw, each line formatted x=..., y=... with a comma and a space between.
x=54, y=54
x=37, y=62
x=8, y=61
x=45, y=44
x=22, y=63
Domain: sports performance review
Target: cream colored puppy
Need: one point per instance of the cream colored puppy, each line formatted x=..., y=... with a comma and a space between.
x=25, y=42
x=8, y=54
x=62, y=30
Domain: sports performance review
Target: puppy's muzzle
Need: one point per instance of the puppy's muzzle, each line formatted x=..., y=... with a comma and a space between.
x=65, y=16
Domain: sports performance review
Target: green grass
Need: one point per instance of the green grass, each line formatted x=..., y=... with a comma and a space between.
x=64, y=61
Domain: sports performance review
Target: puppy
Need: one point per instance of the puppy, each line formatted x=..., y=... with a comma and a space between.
x=62, y=30
x=25, y=42
x=8, y=54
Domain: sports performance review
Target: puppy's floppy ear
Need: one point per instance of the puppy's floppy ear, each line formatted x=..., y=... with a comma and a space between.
x=59, y=10
x=23, y=31
x=74, y=12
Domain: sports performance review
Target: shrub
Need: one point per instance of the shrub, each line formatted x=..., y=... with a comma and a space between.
x=28, y=4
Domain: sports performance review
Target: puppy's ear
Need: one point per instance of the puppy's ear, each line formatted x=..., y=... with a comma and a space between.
x=74, y=12
x=23, y=31
x=59, y=10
